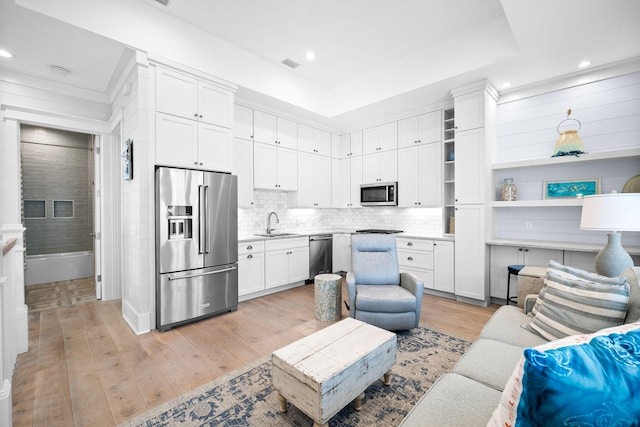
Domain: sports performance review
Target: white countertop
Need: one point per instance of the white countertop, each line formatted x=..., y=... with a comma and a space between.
x=298, y=233
x=580, y=247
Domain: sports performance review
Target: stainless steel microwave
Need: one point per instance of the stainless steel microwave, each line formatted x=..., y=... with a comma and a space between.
x=379, y=194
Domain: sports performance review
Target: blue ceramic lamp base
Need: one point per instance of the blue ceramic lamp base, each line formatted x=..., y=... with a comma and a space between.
x=612, y=260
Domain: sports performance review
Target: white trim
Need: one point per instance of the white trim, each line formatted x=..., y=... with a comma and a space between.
x=54, y=120
x=138, y=322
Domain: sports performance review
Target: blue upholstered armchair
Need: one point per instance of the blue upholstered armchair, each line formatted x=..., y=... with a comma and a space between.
x=378, y=293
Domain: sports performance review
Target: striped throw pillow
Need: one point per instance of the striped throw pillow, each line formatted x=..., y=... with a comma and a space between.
x=573, y=305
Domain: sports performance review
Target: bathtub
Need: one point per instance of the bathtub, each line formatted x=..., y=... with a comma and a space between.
x=57, y=267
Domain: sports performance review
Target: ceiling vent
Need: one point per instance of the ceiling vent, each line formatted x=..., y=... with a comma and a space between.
x=290, y=63
x=164, y=2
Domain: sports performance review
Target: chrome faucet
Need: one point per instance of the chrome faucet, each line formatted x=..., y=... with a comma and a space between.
x=269, y=229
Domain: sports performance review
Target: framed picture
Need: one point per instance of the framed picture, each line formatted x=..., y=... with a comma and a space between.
x=572, y=188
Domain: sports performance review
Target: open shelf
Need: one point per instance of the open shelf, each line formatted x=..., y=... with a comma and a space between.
x=536, y=203
x=588, y=157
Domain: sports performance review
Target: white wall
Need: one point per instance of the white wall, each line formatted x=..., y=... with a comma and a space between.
x=131, y=101
x=609, y=111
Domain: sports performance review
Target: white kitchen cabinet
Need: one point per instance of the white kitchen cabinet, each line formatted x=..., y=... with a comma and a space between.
x=471, y=269
x=503, y=256
x=380, y=138
x=355, y=143
x=380, y=167
x=215, y=148
x=185, y=96
x=415, y=256
x=470, y=176
x=443, y=261
x=341, y=252
x=335, y=146
x=270, y=129
x=470, y=110
x=243, y=168
x=191, y=144
x=315, y=141
x=251, y=265
x=422, y=129
x=287, y=261
x=242, y=122
x=347, y=180
x=274, y=168
x=314, y=184
x=420, y=176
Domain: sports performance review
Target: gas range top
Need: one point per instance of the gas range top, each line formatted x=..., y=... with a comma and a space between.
x=378, y=231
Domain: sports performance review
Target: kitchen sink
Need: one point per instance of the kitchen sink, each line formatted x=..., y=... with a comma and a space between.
x=277, y=235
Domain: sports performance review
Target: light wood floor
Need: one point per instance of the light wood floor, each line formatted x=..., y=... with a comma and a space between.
x=86, y=368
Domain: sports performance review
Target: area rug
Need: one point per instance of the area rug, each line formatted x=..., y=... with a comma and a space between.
x=246, y=397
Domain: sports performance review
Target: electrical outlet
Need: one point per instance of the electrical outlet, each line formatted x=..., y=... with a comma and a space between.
x=528, y=225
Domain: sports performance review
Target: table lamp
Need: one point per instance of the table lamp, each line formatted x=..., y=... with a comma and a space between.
x=611, y=212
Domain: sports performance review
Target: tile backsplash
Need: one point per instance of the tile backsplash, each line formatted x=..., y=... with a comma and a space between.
x=254, y=220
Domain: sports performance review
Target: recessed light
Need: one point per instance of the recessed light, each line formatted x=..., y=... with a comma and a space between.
x=505, y=85
x=6, y=53
x=584, y=64
x=310, y=55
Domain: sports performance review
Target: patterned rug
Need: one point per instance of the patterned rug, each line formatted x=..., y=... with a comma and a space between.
x=246, y=397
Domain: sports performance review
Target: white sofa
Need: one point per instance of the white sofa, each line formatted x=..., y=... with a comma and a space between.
x=469, y=395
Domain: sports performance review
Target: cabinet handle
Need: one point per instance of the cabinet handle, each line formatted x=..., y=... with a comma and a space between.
x=195, y=163
x=195, y=115
x=249, y=247
x=520, y=249
x=409, y=243
x=249, y=256
x=410, y=258
x=526, y=250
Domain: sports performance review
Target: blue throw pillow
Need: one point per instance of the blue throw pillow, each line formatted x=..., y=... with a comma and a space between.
x=596, y=383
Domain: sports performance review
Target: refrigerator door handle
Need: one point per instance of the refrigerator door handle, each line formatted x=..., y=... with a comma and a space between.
x=201, y=219
x=189, y=276
x=207, y=247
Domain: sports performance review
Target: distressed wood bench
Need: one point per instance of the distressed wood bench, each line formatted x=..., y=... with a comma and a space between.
x=321, y=373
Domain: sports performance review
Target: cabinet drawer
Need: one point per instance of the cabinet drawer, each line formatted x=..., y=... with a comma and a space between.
x=414, y=244
x=416, y=259
x=250, y=247
x=295, y=242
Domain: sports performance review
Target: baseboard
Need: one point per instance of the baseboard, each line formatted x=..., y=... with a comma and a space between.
x=139, y=323
x=5, y=404
x=481, y=303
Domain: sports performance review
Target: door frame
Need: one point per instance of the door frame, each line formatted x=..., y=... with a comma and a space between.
x=112, y=282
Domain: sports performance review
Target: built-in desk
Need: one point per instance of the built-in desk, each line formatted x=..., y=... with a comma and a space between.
x=506, y=252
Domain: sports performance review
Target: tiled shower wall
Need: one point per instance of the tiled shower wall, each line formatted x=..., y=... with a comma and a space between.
x=58, y=165
x=254, y=220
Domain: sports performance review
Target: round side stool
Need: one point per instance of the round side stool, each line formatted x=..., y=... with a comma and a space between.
x=327, y=290
x=515, y=270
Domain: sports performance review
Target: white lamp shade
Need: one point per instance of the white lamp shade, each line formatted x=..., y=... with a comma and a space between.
x=611, y=212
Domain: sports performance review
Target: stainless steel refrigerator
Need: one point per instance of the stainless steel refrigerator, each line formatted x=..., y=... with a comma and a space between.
x=196, y=245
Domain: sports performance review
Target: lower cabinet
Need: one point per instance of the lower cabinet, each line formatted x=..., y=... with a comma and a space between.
x=287, y=261
x=341, y=252
x=471, y=254
x=430, y=260
x=503, y=256
x=250, y=267
x=443, y=260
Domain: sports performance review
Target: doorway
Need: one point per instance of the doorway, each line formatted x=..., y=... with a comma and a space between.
x=58, y=183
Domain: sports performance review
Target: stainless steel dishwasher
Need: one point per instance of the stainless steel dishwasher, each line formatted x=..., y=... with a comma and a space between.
x=320, y=254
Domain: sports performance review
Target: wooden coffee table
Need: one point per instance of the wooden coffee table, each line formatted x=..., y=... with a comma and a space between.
x=320, y=374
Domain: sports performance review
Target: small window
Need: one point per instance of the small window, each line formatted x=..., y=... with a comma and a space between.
x=35, y=209
x=63, y=208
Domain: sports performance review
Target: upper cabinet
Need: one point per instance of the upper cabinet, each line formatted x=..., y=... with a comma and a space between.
x=380, y=138
x=184, y=96
x=270, y=129
x=193, y=122
x=420, y=176
x=315, y=141
x=243, y=122
x=422, y=129
x=351, y=144
x=470, y=112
